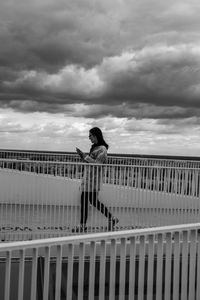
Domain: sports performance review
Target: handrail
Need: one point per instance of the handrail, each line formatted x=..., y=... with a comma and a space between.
x=97, y=164
x=96, y=237
x=156, y=263
x=110, y=156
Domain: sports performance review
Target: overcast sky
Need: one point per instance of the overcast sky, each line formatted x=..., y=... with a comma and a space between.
x=130, y=67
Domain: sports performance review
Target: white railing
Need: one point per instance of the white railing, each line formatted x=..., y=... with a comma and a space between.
x=42, y=199
x=157, y=263
x=112, y=159
x=39, y=155
x=179, y=180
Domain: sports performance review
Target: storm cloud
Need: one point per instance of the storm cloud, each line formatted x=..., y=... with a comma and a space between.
x=121, y=60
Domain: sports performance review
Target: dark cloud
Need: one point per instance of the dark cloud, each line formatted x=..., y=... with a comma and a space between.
x=122, y=59
x=137, y=111
x=159, y=76
x=47, y=35
x=181, y=123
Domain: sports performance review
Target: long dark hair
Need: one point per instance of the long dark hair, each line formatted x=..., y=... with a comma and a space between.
x=96, y=131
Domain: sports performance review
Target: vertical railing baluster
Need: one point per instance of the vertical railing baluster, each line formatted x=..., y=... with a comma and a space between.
x=192, y=264
x=7, y=276
x=46, y=273
x=132, y=268
x=148, y=200
x=70, y=267
x=141, y=267
x=113, y=251
x=92, y=270
x=195, y=196
x=150, y=275
x=176, y=273
x=168, y=264
x=142, y=197
x=89, y=185
x=122, y=277
x=159, y=277
x=187, y=186
x=152, y=198
x=198, y=266
x=81, y=271
x=102, y=270
x=97, y=169
x=58, y=272
x=34, y=273
x=184, y=274
x=21, y=274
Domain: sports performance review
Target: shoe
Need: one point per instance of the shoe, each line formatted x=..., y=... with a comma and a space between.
x=115, y=221
x=83, y=228
x=112, y=222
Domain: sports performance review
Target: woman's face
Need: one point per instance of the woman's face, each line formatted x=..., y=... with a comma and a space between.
x=92, y=138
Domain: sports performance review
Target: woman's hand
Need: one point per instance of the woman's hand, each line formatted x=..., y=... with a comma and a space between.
x=80, y=153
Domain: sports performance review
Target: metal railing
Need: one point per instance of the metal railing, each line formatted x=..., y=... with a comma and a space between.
x=42, y=199
x=180, y=180
x=112, y=159
x=39, y=155
x=155, y=263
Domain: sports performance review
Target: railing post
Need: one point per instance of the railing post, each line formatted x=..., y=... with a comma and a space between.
x=198, y=265
x=81, y=271
x=102, y=270
x=112, y=269
x=159, y=277
x=34, y=274
x=21, y=274
x=46, y=274
x=192, y=264
x=176, y=277
x=184, y=275
x=70, y=266
x=58, y=271
x=122, y=279
x=92, y=270
x=7, y=276
x=132, y=268
x=150, y=267
x=141, y=268
x=168, y=264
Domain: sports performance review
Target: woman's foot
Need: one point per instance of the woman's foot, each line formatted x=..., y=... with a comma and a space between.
x=112, y=222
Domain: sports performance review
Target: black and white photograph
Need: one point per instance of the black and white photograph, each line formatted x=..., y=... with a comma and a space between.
x=100, y=150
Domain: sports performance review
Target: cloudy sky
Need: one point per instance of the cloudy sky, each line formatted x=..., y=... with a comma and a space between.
x=130, y=67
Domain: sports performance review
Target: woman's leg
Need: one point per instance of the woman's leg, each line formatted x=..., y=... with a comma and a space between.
x=93, y=198
x=84, y=208
x=112, y=221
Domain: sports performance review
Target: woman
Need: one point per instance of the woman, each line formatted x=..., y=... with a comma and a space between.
x=92, y=179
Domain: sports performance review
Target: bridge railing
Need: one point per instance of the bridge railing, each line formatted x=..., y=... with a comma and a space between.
x=42, y=199
x=180, y=180
x=154, y=263
x=112, y=159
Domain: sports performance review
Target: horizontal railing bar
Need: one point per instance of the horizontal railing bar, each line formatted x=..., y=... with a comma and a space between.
x=8, y=246
x=97, y=164
x=110, y=155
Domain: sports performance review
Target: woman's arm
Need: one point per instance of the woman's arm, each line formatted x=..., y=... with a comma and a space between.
x=100, y=158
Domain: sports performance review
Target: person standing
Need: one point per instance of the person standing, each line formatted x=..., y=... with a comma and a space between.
x=92, y=179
